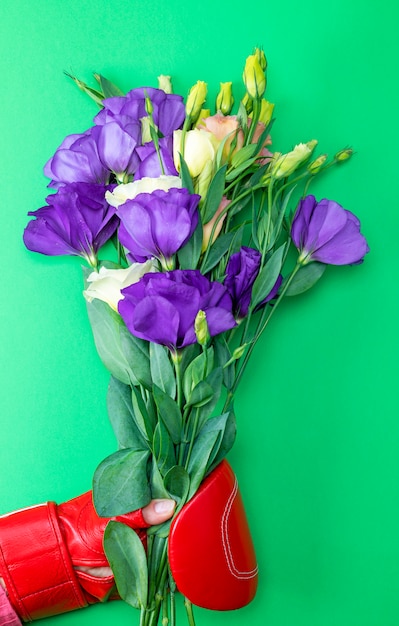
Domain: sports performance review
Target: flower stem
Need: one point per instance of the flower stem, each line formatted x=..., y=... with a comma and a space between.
x=262, y=326
x=189, y=610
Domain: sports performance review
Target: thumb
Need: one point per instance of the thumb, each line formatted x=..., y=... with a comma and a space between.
x=158, y=511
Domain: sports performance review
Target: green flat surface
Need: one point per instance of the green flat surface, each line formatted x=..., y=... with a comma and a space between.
x=318, y=438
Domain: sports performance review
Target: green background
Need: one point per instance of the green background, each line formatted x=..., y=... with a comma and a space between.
x=318, y=437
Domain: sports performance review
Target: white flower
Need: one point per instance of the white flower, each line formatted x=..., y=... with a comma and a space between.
x=106, y=284
x=199, y=148
x=122, y=193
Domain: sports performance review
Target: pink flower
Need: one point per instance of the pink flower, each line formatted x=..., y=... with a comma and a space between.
x=207, y=228
x=226, y=127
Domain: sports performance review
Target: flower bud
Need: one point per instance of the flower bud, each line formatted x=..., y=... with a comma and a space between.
x=165, y=83
x=149, y=107
x=204, y=113
x=145, y=129
x=195, y=99
x=315, y=166
x=312, y=144
x=283, y=165
x=266, y=112
x=247, y=103
x=225, y=100
x=254, y=77
x=201, y=328
x=344, y=155
x=261, y=58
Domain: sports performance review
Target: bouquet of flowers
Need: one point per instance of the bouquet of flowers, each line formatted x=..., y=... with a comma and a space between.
x=206, y=230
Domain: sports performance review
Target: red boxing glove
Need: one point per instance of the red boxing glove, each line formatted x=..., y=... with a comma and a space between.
x=211, y=554
x=41, y=545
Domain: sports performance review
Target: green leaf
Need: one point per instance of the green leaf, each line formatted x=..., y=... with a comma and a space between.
x=121, y=416
x=186, y=179
x=177, y=483
x=120, y=483
x=215, y=381
x=190, y=253
x=162, y=371
x=141, y=416
x=197, y=370
x=223, y=355
x=243, y=154
x=128, y=560
x=200, y=395
x=157, y=487
x=94, y=94
x=217, y=251
x=136, y=352
x=267, y=277
x=109, y=89
x=163, y=448
x=240, y=169
x=106, y=325
x=202, y=455
x=227, y=440
x=305, y=278
x=169, y=413
x=214, y=195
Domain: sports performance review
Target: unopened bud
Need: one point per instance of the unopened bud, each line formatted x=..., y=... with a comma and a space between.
x=261, y=58
x=283, y=165
x=344, y=155
x=225, y=100
x=146, y=125
x=165, y=83
x=315, y=166
x=149, y=106
x=203, y=114
x=254, y=77
x=312, y=144
x=201, y=328
x=266, y=112
x=195, y=99
x=247, y=102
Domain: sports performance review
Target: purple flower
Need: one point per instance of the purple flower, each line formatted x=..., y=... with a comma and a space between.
x=162, y=307
x=77, y=161
x=241, y=273
x=326, y=232
x=168, y=109
x=77, y=221
x=117, y=147
x=158, y=224
x=150, y=165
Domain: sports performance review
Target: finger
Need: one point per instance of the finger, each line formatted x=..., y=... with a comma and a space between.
x=98, y=572
x=158, y=511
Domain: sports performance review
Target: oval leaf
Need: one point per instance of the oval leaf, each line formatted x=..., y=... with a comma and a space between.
x=128, y=560
x=120, y=483
x=305, y=278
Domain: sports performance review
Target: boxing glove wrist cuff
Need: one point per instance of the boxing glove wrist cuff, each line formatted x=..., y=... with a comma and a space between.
x=35, y=564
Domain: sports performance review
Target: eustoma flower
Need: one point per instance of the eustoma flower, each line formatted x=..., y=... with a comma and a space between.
x=241, y=272
x=158, y=224
x=106, y=285
x=77, y=161
x=326, y=232
x=77, y=221
x=163, y=307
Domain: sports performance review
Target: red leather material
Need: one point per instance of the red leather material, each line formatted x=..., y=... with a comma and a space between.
x=211, y=553
x=39, y=548
x=35, y=564
x=83, y=529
